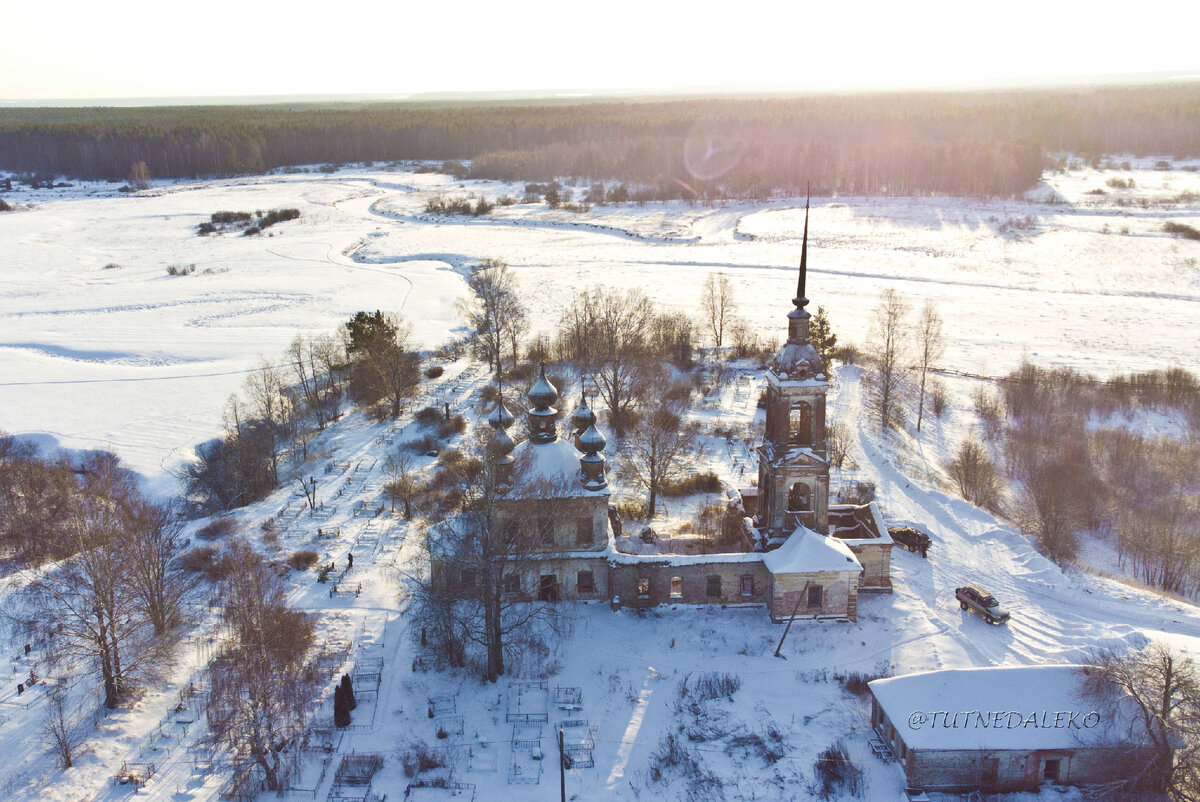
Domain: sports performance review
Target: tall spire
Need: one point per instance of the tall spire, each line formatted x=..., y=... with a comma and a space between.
x=800, y=300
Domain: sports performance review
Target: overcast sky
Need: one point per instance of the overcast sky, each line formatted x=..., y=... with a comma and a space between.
x=135, y=48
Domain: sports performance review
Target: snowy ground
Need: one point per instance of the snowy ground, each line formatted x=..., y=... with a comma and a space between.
x=136, y=361
x=139, y=362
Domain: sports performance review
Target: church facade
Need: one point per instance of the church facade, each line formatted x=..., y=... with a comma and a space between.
x=809, y=559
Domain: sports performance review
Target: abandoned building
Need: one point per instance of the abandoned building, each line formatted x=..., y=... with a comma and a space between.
x=800, y=556
x=1003, y=729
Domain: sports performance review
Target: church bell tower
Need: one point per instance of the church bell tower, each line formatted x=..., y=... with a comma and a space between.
x=793, y=460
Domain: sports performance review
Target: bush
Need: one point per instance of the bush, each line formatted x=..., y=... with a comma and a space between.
x=277, y=216
x=855, y=682
x=218, y=527
x=224, y=218
x=4, y=207
x=110, y=265
x=429, y=415
x=210, y=561
x=1181, y=230
x=696, y=483
x=448, y=428
x=836, y=773
x=303, y=560
x=711, y=685
x=846, y=354
x=180, y=270
x=251, y=231
x=434, y=372
x=938, y=398
x=770, y=749
x=423, y=445
x=417, y=758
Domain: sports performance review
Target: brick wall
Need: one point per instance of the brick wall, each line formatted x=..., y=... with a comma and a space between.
x=693, y=584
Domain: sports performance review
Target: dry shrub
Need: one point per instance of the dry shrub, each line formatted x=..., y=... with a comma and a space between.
x=303, y=560
x=218, y=527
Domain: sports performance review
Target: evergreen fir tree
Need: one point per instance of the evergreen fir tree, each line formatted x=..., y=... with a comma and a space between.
x=341, y=709
x=822, y=337
x=348, y=691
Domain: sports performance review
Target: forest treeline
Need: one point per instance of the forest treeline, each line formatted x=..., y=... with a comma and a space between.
x=982, y=143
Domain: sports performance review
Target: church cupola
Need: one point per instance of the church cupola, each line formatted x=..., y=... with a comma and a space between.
x=581, y=419
x=591, y=464
x=500, y=445
x=542, y=417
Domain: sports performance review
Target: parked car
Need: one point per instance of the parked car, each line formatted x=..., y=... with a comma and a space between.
x=912, y=539
x=972, y=597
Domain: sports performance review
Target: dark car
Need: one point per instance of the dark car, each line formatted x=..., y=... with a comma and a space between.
x=912, y=539
x=972, y=597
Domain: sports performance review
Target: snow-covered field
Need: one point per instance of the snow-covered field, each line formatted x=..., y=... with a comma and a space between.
x=139, y=362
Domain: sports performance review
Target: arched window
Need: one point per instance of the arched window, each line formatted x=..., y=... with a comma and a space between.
x=798, y=498
x=801, y=424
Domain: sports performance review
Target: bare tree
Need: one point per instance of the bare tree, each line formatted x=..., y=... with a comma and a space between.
x=495, y=313
x=402, y=482
x=85, y=601
x=475, y=556
x=606, y=333
x=37, y=498
x=269, y=404
x=154, y=541
x=887, y=379
x=975, y=474
x=930, y=348
x=260, y=685
x=659, y=450
x=63, y=727
x=313, y=362
x=718, y=306
x=1164, y=689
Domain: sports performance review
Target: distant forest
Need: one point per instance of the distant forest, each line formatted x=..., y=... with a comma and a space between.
x=978, y=143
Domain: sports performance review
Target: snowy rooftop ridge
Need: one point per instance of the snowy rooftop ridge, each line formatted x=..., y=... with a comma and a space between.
x=554, y=465
x=806, y=551
x=999, y=707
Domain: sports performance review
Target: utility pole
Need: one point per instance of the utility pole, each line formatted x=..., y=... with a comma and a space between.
x=562, y=767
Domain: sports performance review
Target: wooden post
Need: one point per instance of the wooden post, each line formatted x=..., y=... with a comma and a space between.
x=796, y=609
x=562, y=767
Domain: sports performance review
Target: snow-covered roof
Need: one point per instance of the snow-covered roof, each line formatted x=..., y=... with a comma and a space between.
x=552, y=469
x=621, y=558
x=806, y=551
x=1000, y=708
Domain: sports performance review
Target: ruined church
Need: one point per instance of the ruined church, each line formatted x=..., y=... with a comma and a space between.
x=802, y=557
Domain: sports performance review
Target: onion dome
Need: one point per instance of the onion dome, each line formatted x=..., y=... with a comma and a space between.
x=591, y=464
x=581, y=419
x=500, y=444
x=500, y=418
x=542, y=394
x=542, y=418
x=591, y=441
